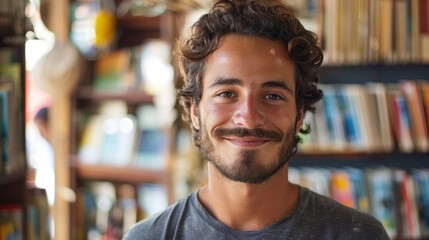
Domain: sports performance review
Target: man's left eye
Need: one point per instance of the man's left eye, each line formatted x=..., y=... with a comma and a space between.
x=226, y=94
x=273, y=97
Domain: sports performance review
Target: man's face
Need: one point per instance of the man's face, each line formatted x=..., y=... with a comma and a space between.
x=247, y=115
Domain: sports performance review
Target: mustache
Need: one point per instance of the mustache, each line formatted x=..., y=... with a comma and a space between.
x=245, y=132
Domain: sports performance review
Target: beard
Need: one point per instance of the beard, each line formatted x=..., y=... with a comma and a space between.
x=245, y=168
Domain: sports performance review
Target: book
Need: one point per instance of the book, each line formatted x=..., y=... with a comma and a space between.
x=90, y=141
x=415, y=31
x=38, y=216
x=400, y=120
x=341, y=188
x=114, y=72
x=118, y=139
x=401, y=31
x=104, y=194
x=151, y=151
x=381, y=198
x=127, y=201
x=9, y=145
x=333, y=118
x=11, y=221
x=378, y=92
x=115, y=222
x=407, y=210
x=358, y=103
x=153, y=139
x=109, y=136
x=316, y=179
x=411, y=92
x=151, y=198
x=359, y=188
x=424, y=88
x=386, y=30
x=350, y=117
x=421, y=182
x=320, y=128
x=424, y=29
x=86, y=214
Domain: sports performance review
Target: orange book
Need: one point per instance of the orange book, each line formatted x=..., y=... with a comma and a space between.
x=341, y=188
x=416, y=114
x=424, y=89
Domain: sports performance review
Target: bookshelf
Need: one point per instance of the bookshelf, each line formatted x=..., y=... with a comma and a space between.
x=84, y=103
x=123, y=174
x=392, y=179
x=369, y=64
x=367, y=42
x=142, y=175
x=13, y=167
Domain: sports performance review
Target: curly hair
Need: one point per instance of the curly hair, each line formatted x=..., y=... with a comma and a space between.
x=268, y=19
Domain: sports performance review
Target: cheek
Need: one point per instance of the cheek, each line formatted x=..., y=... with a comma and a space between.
x=283, y=113
x=285, y=117
x=216, y=114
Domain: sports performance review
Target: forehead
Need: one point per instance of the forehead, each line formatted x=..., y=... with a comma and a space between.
x=250, y=59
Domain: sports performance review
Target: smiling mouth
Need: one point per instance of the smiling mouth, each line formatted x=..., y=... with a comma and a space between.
x=248, y=137
x=248, y=142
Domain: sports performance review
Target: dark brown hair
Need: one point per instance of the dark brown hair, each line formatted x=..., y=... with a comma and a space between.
x=269, y=19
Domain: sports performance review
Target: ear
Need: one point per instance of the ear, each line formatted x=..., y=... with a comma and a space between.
x=300, y=120
x=194, y=115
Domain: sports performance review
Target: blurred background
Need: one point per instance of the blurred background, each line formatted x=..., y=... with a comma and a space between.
x=91, y=135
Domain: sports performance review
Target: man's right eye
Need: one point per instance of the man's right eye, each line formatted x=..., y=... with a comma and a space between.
x=226, y=94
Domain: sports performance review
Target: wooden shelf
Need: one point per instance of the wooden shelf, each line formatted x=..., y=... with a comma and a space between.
x=131, y=97
x=12, y=177
x=130, y=174
x=139, y=23
x=12, y=187
x=133, y=31
x=387, y=73
x=393, y=159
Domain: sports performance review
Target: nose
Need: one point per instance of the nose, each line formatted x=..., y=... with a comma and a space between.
x=249, y=113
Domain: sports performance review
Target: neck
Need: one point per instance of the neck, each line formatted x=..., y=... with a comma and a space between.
x=249, y=207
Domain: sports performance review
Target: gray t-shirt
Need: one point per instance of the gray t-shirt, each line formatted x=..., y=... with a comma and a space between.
x=315, y=217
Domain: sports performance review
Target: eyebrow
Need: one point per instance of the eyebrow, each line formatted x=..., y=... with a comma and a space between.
x=278, y=84
x=234, y=81
x=226, y=81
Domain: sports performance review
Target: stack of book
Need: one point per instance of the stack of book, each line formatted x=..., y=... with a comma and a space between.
x=373, y=31
x=106, y=210
x=121, y=139
x=371, y=117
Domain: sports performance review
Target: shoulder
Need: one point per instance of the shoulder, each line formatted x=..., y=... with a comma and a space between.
x=324, y=204
x=340, y=218
x=158, y=225
x=329, y=209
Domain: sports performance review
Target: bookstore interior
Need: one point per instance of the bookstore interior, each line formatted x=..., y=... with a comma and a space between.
x=91, y=138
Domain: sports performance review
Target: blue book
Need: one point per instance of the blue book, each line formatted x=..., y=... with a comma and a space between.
x=421, y=180
x=151, y=148
x=4, y=132
x=359, y=189
x=405, y=140
x=333, y=117
x=350, y=119
x=382, y=198
x=152, y=198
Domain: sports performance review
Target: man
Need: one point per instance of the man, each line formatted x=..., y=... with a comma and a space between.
x=41, y=121
x=41, y=155
x=250, y=71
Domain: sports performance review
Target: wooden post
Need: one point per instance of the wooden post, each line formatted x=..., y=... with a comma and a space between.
x=60, y=127
x=58, y=21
